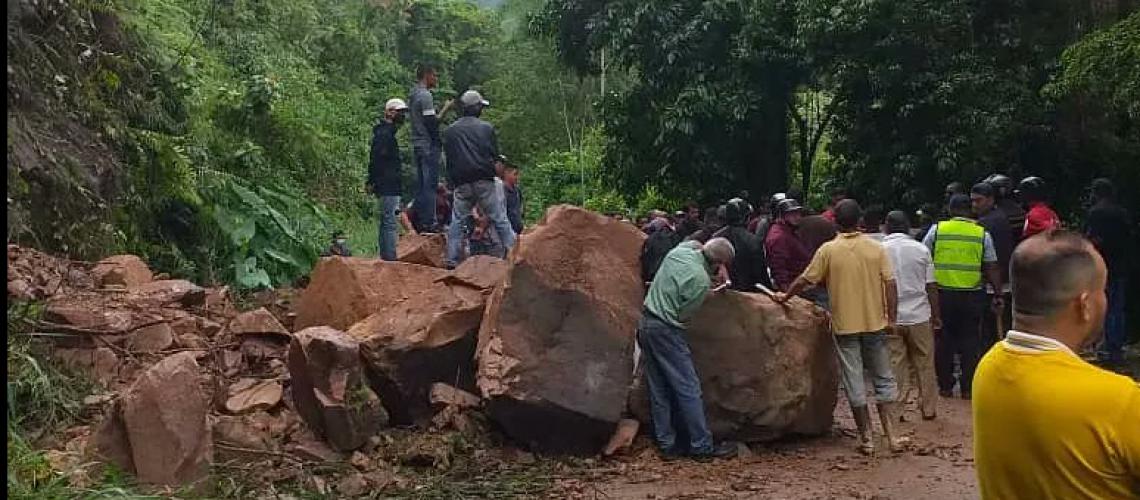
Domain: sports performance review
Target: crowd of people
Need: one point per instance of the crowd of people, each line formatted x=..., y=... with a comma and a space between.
x=997, y=268
x=482, y=212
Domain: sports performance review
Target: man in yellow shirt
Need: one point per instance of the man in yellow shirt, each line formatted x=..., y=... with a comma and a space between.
x=864, y=300
x=1047, y=424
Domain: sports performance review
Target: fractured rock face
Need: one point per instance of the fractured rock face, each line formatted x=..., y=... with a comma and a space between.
x=152, y=338
x=163, y=292
x=345, y=290
x=555, y=347
x=80, y=317
x=480, y=271
x=766, y=370
x=422, y=249
x=425, y=339
x=248, y=394
x=121, y=270
x=257, y=322
x=329, y=389
x=164, y=422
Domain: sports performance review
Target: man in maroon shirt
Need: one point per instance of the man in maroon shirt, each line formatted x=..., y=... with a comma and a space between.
x=787, y=255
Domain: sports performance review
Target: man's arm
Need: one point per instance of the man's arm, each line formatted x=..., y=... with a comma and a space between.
x=892, y=301
x=799, y=286
x=375, y=159
x=991, y=269
x=935, y=306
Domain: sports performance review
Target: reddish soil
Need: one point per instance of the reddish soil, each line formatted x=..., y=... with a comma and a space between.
x=937, y=465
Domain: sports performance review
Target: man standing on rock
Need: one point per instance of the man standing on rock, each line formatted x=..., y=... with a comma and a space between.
x=918, y=314
x=425, y=147
x=1047, y=424
x=864, y=300
x=678, y=290
x=472, y=151
x=384, y=174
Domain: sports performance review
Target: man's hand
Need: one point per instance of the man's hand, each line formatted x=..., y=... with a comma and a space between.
x=998, y=303
x=780, y=297
x=936, y=323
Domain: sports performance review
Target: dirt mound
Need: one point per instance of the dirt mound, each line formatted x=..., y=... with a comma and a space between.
x=555, y=347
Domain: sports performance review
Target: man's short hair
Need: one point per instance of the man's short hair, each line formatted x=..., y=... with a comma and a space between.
x=983, y=189
x=719, y=250
x=423, y=70
x=959, y=205
x=847, y=213
x=897, y=222
x=839, y=191
x=1048, y=270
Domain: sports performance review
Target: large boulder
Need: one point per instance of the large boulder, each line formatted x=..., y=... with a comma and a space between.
x=121, y=270
x=428, y=338
x=555, y=347
x=160, y=430
x=329, y=389
x=423, y=249
x=766, y=370
x=345, y=290
x=480, y=271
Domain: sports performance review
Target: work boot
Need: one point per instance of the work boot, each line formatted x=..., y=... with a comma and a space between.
x=863, y=424
x=887, y=412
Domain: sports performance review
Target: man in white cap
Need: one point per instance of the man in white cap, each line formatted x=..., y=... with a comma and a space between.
x=384, y=174
x=472, y=151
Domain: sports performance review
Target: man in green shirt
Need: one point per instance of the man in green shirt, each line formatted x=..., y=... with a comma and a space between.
x=678, y=290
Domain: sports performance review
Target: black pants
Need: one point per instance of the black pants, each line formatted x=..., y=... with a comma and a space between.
x=961, y=319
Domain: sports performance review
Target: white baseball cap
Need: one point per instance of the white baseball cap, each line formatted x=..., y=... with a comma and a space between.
x=471, y=98
x=395, y=103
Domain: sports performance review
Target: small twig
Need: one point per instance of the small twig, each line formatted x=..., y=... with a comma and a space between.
x=256, y=451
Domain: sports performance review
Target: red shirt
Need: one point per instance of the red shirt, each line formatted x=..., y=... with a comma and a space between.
x=787, y=255
x=828, y=214
x=1039, y=219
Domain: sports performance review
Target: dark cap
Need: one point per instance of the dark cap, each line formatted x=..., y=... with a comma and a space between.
x=788, y=205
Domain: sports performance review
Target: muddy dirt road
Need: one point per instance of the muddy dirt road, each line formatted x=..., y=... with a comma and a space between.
x=938, y=465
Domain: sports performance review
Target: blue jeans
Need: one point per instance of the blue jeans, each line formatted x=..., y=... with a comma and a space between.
x=484, y=195
x=866, y=349
x=674, y=389
x=389, y=234
x=427, y=178
x=1115, y=333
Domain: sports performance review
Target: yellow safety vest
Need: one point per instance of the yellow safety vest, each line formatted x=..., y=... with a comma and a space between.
x=958, y=251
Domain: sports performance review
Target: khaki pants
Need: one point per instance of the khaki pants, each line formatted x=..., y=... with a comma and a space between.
x=912, y=358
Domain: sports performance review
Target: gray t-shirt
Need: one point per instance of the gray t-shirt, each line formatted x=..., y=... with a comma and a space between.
x=421, y=105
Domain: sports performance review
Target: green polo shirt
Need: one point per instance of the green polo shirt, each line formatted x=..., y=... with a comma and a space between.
x=680, y=286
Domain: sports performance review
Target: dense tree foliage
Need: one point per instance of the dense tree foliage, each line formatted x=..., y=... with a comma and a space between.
x=904, y=96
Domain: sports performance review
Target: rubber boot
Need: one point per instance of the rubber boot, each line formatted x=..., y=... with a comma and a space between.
x=888, y=412
x=863, y=424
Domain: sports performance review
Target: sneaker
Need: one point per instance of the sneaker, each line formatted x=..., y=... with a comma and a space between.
x=724, y=450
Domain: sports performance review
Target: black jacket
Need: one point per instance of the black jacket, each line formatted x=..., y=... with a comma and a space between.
x=471, y=148
x=384, y=161
x=749, y=267
x=514, y=204
x=653, y=251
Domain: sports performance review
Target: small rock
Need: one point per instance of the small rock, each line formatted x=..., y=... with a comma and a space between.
x=311, y=449
x=352, y=485
x=153, y=338
x=101, y=364
x=121, y=270
x=446, y=395
x=743, y=451
x=250, y=394
x=97, y=399
x=167, y=292
x=111, y=321
x=259, y=321
x=240, y=432
x=231, y=362
x=209, y=328
x=623, y=436
x=258, y=348
x=360, y=461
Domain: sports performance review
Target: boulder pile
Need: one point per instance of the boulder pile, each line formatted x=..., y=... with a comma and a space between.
x=540, y=344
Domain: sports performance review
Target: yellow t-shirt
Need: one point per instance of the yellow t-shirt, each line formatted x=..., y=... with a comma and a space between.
x=855, y=268
x=1049, y=425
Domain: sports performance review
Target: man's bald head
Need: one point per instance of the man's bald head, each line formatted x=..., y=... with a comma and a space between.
x=1058, y=279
